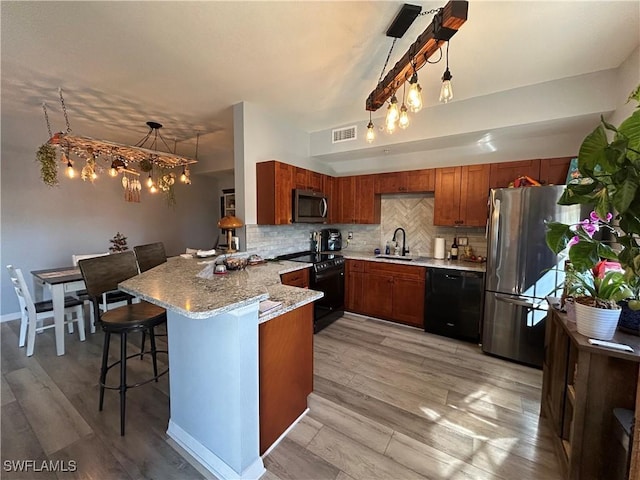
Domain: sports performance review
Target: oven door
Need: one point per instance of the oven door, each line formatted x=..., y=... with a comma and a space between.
x=331, y=306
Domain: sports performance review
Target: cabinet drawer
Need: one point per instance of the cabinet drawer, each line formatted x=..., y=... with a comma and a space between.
x=355, y=265
x=299, y=278
x=394, y=270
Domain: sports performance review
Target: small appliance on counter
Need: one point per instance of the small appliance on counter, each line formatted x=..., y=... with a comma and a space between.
x=330, y=240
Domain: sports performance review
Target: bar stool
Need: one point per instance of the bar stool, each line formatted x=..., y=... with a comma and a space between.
x=149, y=256
x=102, y=274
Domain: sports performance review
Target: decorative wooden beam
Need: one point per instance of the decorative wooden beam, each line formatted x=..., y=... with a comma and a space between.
x=444, y=25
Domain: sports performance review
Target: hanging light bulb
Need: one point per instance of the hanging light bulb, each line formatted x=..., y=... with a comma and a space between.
x=183, y=177
x=414, y=97
x=113, y=171
x=446, y=92
x=153, y=188
x=71, y=173
x=94, y=175
x=392, y=110
x=403, y=121
x=149, y=181
x=371, y=133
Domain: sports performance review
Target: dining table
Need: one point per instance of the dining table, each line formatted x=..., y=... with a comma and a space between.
x=60, y=281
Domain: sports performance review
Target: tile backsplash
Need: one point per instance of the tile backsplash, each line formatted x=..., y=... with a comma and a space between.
x=413, y=212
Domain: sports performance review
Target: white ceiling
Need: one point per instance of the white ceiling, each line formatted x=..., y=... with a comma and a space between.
x=184, y=64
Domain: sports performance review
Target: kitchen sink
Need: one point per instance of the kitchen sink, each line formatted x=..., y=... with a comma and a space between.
x=395, y=257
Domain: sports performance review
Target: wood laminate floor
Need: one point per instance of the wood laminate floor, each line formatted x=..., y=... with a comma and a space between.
x=389, y=402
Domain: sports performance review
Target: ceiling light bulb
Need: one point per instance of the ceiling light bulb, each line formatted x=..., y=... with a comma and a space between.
x=392, y=110
x=183, y=177
x=153, y=188
x=70, y=171
x=113, y=171
x=414, y=96
x=371, y=133
x=446, y=92
x=94, y=175
x=403, y=121
x=149, y=181
x=390, y=126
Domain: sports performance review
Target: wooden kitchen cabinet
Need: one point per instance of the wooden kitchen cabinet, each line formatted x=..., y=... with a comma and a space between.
x=502, y=174
x=386, y=290
x=274, y=184
x=354, y=285
x=298, y=278
x=461, y=195
x=308, y=180
x=581, y=385
x=285, y=371
x=358, y=202
x=553, y=171
x=413, y=181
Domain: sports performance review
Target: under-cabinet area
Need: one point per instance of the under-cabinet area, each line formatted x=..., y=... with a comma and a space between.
x=583, y=385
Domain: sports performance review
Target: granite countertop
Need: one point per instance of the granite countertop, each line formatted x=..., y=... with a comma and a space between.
x=174, y=285
x=417, y=261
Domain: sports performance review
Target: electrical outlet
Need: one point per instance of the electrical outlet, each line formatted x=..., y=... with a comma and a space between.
x=350, y=236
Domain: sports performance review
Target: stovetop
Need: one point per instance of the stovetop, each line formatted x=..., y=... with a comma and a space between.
x=315, y=257
x=320, y=261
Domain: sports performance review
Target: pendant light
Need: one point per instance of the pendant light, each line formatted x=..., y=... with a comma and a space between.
x=371, y=133
x=392, y=114
x=446, y=92
x=403, y=120
x=414, y=97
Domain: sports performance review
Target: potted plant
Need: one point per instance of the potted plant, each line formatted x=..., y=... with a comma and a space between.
x=609, y=162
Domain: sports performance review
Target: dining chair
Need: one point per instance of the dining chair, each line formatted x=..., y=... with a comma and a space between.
x=103, y=274
x=32, y=314
x=150, y=255
x=109, y=299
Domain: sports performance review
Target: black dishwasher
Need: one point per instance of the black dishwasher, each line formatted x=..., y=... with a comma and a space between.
x=454, y=303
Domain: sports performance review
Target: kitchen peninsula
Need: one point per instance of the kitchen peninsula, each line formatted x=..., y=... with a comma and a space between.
x=217, y=374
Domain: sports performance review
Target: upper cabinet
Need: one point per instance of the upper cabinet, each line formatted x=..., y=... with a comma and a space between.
x=405, y=182
x=308, y=180
x=357, y=200
x=553, y=171
x=274, y=184
x=504, y=173
x=548, y=171
x=461, y=195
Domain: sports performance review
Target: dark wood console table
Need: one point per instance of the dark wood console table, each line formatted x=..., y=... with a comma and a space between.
x=581, y=386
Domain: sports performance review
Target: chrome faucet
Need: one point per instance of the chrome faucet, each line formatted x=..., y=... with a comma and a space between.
x=404, y=240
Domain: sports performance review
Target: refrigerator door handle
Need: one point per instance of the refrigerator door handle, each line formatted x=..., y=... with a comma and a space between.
x=521, y=303
x=494, y=222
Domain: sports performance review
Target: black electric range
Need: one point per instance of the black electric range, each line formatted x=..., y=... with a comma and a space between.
x=327, y=276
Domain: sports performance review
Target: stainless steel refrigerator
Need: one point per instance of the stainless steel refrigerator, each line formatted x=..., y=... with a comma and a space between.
x=521, y=270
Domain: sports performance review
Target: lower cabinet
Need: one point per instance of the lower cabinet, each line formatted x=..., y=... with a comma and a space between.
x=386, y=290
x=286, y=371
x=297, y=278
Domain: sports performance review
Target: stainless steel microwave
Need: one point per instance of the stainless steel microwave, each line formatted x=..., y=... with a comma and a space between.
x=309, y=206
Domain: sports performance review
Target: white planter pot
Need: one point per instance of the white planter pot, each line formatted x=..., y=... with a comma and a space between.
x=597, y=323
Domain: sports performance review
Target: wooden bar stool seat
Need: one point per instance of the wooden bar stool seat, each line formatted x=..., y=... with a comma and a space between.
x=103, y=274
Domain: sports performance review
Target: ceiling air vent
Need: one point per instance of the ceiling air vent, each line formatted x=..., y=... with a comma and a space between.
x=344, y=134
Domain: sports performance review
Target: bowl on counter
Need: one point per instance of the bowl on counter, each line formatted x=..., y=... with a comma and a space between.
x=235, y=263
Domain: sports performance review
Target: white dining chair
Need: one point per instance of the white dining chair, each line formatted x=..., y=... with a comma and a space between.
x=33, y=314
x=110, y=300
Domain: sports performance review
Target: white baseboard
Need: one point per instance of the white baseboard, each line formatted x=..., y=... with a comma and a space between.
x=9, y=316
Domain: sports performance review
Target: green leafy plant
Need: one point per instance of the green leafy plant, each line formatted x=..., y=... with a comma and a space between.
x=46, y=155
x=602, y=286
x=609, y=161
